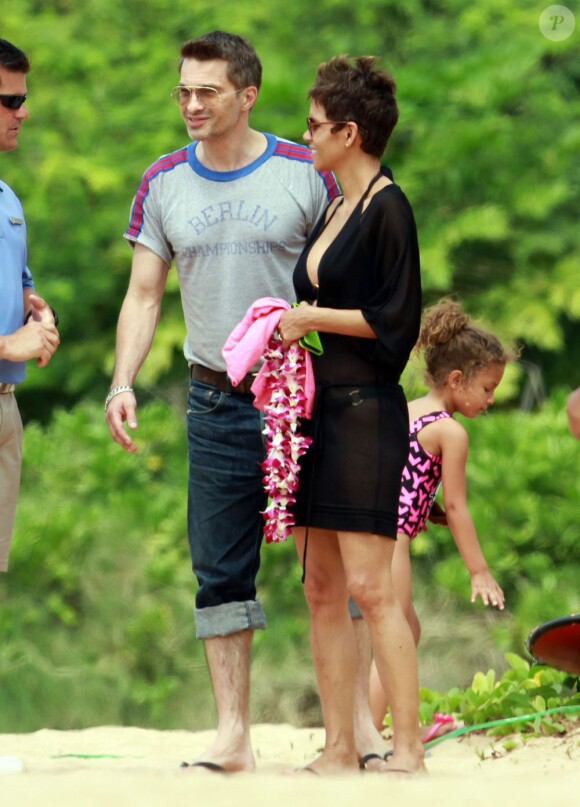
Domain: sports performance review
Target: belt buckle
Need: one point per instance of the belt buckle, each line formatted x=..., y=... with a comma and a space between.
x=355, y=397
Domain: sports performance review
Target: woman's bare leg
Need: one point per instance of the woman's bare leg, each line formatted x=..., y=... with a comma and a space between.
x=401, y=574
x=333, y=647
x=367, y=561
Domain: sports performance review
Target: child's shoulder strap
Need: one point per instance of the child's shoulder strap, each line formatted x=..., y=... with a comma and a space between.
x=425, y=420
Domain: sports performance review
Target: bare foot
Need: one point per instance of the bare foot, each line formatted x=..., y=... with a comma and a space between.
x=238, y=758
x=372, y=748
x=405, y=767
x=374, y=762
x=328, y=764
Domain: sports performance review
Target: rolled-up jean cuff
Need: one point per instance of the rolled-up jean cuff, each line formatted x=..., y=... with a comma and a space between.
x=353, y=609
x=228, y=618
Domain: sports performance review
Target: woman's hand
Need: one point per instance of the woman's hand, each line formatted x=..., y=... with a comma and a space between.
x=296, y=322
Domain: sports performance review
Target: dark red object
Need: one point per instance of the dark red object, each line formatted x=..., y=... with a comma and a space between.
x=557, y=643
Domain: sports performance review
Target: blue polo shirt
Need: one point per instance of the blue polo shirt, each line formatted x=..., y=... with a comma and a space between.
x=14, y=276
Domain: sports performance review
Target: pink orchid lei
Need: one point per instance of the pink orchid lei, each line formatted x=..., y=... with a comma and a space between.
x=284, y=370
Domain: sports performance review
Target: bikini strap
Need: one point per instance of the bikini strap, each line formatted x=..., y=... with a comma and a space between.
x=370, y=186
x=359, y=203
x=327, y=222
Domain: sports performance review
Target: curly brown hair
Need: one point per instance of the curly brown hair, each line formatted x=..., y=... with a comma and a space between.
x=451, y=340
x=358, y=91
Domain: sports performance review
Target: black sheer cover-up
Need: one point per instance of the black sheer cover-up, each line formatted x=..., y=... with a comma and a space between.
x=350, y=477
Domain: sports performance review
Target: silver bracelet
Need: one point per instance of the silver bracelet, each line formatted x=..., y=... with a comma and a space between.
x=116, y=391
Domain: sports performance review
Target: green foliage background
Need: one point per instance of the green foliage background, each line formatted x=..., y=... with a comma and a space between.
x=486, y=149
x=95, y=615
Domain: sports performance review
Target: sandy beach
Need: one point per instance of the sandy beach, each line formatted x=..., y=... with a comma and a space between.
x=128, y=766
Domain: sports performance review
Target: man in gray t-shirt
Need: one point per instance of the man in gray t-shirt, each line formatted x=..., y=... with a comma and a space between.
x=232, y=210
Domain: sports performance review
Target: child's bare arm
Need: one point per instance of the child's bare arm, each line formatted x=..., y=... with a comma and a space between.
x=455, y=448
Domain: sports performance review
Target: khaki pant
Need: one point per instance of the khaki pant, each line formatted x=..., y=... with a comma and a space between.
x=10, y=463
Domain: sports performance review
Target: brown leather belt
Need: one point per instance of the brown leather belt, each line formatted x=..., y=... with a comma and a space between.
x=221, y=380
x=6, y=388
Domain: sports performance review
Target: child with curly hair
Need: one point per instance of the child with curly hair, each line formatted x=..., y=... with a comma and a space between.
x=464, y=366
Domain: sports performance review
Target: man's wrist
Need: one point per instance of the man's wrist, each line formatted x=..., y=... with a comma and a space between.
x=116, y=391
x=30, y=311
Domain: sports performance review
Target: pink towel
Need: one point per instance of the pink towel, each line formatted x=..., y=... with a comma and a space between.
x=247, y=343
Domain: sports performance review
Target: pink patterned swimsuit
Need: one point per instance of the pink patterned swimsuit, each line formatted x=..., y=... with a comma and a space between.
x=420, y=481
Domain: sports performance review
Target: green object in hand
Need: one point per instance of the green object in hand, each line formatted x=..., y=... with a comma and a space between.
x=311, y=340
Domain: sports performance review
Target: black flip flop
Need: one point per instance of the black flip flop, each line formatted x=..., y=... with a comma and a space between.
x=210, y=766
x=362, y=763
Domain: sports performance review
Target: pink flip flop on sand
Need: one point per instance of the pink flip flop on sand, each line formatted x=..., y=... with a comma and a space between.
x=439, y=721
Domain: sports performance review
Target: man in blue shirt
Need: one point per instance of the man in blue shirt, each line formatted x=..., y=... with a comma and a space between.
x=27, y=324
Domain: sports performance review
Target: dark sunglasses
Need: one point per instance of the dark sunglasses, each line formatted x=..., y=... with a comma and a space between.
x=12, y=101
x=312, y=125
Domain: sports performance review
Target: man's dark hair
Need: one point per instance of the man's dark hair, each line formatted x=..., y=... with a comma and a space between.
x=244, y=67
x=12, y=58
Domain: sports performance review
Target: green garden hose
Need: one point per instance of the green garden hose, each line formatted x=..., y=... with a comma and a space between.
x=505, y=721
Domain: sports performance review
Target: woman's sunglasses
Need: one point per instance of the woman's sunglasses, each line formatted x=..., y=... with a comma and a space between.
x=12, y=101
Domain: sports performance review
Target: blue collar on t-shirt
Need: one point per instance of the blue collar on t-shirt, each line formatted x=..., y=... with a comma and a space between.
x=228, y=176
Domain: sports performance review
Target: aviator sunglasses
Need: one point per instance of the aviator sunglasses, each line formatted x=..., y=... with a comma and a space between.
x=12, y=101
x=206, y=96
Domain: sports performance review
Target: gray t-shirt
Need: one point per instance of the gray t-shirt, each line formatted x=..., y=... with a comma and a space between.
x=235, y=236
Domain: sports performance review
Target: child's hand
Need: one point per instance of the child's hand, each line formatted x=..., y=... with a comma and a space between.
x=438, y=515
x=483, y=585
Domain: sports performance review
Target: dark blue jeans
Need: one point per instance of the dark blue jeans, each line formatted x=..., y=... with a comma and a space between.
x=225, y=500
